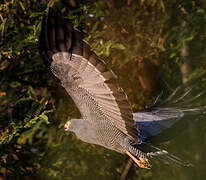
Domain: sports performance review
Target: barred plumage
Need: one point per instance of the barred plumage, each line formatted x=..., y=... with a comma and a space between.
x=107, y=117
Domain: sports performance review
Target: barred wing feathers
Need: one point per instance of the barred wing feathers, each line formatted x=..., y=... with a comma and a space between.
x=85, y=77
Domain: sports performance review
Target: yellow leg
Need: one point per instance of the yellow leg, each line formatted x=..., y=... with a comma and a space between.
x=142, y=162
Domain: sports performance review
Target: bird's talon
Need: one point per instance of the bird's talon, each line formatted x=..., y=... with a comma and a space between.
x=142, y=162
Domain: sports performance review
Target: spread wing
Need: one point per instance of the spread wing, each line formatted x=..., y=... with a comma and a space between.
x=85, y=77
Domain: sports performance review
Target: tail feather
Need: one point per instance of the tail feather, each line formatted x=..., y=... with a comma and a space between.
x=155, y=121
x=162, y=155
x=181, y=97
x=185, y=93
x=183, y=104
x=187, y=102
x=172, y=159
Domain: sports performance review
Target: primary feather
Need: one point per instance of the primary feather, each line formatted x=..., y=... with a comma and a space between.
x=107, y=117
x=85, y=77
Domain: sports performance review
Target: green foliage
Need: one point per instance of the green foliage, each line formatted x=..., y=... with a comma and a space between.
x=126, y=34
x=33, y=119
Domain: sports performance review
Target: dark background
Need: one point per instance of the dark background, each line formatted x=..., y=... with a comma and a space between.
x=152, y=45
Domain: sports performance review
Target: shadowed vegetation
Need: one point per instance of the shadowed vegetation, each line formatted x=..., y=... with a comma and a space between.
x=152, y=45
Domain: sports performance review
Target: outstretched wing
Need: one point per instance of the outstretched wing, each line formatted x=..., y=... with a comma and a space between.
x=85, y=77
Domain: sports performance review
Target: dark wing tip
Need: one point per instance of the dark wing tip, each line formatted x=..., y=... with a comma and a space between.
x=55, y=36
x=58, y=35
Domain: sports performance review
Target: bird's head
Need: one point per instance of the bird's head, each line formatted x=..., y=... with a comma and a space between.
x=75, y=125
x=82, y=129
x=67, y=126
x=71, y=125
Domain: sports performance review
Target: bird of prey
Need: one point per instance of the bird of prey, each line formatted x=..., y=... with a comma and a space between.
x=107, y=117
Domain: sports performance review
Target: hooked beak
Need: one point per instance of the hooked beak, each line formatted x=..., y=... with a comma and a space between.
x=66, y=126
